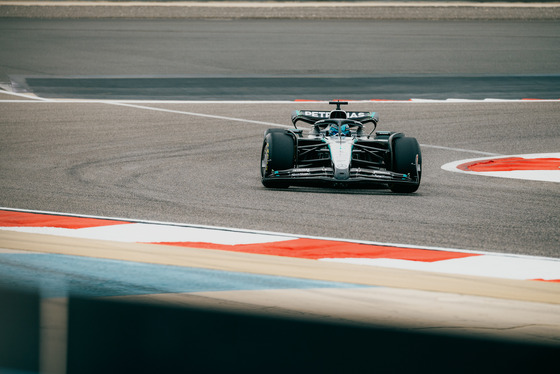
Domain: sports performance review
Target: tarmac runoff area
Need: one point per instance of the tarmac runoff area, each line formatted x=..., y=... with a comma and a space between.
x=283, y=10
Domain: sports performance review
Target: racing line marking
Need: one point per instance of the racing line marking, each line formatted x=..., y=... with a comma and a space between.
x=130, y=103
x=195, y=114
x=434, y=259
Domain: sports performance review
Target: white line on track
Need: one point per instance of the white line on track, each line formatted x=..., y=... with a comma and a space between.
x=460, y=150
x=32, y=98
x=196, y=114
x=135, y=104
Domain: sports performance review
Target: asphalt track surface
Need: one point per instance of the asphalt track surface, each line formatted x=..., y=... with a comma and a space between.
x=134, y=160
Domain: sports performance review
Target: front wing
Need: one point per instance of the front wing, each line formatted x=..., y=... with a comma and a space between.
x=326, y=175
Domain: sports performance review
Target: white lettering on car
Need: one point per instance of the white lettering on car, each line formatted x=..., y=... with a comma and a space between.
x=316, y=114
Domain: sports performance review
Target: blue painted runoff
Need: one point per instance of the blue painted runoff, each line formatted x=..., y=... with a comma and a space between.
x=60, y=275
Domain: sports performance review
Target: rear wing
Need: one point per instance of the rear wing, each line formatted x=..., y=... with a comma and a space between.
x=312, y=116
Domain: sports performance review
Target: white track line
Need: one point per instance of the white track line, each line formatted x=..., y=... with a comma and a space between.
x=197, y=114
x=32, y=98
x=460, y=150
x=134, y=104
x=372, y=101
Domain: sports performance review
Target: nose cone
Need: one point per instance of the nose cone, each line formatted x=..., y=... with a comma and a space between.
x=341, y=172
x=341, y=155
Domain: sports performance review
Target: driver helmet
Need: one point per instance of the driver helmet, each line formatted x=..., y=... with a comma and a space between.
x=344, y=130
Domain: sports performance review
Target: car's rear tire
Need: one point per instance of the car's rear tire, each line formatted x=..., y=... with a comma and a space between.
x=277, y=154
x=405, y=152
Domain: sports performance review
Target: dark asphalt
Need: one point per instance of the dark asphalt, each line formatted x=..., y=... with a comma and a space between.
x=110, y=160
x=294, y=88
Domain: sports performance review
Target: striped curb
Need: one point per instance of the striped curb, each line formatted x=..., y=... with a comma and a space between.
x=441, y=260
x=538, y=166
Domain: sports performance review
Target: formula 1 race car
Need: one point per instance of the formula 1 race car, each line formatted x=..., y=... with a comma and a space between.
x=338, y=152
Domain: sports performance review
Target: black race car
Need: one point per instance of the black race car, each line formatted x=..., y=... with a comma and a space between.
x=338, y=151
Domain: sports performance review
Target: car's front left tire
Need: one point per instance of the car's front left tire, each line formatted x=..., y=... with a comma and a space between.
x=407, y=159
x=277, y=154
